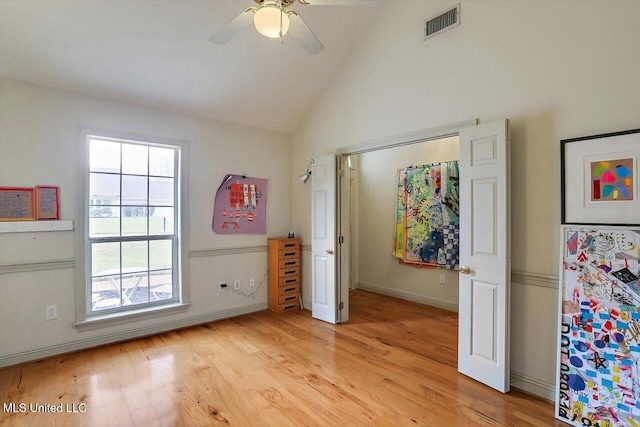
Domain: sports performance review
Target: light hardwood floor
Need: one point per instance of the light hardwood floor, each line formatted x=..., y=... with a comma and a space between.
x=393, y=364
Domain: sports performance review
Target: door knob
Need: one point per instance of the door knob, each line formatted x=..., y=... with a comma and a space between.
x=330, y=252
x=465, y=269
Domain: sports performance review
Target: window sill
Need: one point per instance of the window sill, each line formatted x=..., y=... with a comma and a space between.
x=97, y=322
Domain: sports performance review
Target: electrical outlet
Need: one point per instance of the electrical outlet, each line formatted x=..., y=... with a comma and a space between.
x=222, y=287
x=51, y=312
x=252, y=282
x=443, y=279
x=236, y=285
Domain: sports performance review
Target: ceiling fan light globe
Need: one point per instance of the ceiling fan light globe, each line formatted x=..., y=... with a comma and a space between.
x=267, y=21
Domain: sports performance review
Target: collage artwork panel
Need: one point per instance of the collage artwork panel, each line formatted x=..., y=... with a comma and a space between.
x=599, y=376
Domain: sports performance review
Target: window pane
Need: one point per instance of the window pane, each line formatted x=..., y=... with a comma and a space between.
x=131, y=193
x=134, y=257
x=135, y=159
x=104, y=221
x=105, y=292
x=135, y=288
x=104, y=156
x=105, y=259
x=160, y=254
x=134, y=221
x=161, y=161
x=104, y=189
x=161, y=191
x=134, y=190
x=161, y=285
x=161, y=220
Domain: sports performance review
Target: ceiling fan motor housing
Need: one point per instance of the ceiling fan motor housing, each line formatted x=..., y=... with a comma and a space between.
x=273, y=25
x=285, y=3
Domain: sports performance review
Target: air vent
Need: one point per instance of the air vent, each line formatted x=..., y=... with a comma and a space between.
x=442, y=21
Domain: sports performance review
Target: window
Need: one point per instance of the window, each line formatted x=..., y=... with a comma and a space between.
x=133, y=242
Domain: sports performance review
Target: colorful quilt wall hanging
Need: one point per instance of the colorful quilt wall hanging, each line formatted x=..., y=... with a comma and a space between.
x=427, y=228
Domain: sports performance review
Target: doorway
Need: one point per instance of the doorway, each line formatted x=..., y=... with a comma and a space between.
x=484, y=281
x=373, y=189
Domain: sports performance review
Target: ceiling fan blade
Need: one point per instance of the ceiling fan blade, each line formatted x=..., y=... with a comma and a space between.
x=340, y=2
x=301, y=32
x=239, y=23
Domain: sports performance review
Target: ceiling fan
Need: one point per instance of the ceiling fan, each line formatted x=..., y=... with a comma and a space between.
x=274, y=18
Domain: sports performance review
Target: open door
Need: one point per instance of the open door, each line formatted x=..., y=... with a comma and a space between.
x=485, y=270
x=324, y=305
x=343, y=231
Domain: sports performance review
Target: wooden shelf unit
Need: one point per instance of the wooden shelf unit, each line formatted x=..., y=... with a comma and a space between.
x=35, y=226
x=284, y=274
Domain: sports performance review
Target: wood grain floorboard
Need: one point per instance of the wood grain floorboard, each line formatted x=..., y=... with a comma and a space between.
x=393, y=364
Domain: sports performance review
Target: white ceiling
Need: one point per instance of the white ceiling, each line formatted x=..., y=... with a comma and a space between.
x=157, y=53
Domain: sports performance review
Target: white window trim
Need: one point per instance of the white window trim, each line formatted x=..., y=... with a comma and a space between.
x=83, y=320
x=127, y=317
x=173, y=238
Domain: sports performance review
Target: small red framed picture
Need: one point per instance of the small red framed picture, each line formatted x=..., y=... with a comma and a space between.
x=16, y=204
x=47, y=202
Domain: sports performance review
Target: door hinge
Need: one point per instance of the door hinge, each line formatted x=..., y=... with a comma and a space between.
x=341, y=173
x=340, y=240
x=341, y=305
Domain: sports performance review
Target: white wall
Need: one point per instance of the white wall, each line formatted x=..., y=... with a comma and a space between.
x=39, y=145
x=377, y=270
x=557, y=69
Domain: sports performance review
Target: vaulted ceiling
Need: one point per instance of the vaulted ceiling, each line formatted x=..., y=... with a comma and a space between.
x=156, y=53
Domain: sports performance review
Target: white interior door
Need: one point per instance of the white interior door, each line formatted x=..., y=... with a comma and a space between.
x=485, y=270
x=323, y=239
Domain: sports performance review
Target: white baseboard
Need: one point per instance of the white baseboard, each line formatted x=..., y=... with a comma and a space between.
x=408, y=296
x=533, y=386
x=123, y=335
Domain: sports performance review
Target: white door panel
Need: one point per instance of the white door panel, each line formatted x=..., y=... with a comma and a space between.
x=319, y=209
x=484, y=344
x=484, y=200
x=320, y=276
x=483, y=347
